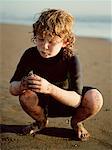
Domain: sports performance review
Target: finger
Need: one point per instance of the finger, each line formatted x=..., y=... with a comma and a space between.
x=34, y=86
x=34, y=77
x=36, y=90
x=33, y=82
x=37, y=78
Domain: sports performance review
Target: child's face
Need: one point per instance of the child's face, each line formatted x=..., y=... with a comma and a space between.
x=49, y=47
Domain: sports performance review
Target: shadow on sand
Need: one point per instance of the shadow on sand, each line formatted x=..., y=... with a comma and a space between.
x=50, y=131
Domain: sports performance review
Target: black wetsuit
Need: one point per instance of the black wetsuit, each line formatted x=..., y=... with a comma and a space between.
x=63, y=72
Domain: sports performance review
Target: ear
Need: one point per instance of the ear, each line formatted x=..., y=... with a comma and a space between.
x=65, y=43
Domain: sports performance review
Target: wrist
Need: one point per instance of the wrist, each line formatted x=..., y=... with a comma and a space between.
x=49, y=88
x=23, y=84
x=21, y=88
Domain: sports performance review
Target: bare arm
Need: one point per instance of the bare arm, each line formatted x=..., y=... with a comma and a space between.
x=70, y=98
x=41, y=85
x=18, y=87
x=15, y=88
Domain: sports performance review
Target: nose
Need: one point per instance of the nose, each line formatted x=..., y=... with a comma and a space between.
x=46, y=45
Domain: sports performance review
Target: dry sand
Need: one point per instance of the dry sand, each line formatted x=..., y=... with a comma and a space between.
x=95, y=56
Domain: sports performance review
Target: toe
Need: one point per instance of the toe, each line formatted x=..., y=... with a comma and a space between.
x=81, y=132
x=85, y=137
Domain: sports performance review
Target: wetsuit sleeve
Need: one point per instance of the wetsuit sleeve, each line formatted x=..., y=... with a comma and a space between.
x=22, y=67
x=75, y=75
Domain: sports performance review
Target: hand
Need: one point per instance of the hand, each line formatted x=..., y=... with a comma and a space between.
x=38, y=84
x=24, y=83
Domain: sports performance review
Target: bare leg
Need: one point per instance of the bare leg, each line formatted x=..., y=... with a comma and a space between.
x=91, y=104
x=29, y=102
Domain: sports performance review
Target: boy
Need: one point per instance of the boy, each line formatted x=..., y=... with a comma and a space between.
x=53, y=87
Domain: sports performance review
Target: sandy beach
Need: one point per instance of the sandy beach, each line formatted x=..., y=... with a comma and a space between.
x=96, y=59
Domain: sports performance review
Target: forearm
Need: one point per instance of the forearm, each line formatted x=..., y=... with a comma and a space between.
x=15, y=88
x=69, y=98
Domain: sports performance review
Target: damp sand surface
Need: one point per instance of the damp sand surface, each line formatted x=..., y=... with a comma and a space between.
x=95, y=56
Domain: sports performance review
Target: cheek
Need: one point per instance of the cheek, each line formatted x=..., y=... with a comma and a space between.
x=59, y=46
x=56, y=49
x=39, y=44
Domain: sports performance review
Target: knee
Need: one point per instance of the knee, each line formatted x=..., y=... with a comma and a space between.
x=28, y=97
x=93, y=100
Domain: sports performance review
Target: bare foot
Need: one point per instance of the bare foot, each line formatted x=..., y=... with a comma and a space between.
x=33, y=128
x=81, y=132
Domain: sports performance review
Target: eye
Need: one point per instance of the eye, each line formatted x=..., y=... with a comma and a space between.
x=50, y=42
x=41, y=39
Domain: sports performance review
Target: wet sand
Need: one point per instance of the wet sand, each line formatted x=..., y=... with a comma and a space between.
x=96, y=58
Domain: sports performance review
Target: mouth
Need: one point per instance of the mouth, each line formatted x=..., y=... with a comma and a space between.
x=45, y=53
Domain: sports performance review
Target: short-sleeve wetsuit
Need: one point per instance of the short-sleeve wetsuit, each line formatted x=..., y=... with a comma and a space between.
x=62, y=72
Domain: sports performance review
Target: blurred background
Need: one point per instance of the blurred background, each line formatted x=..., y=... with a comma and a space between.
x=93, y=27
x=93, y=17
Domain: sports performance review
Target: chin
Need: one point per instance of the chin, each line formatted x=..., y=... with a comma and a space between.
x=45, y=55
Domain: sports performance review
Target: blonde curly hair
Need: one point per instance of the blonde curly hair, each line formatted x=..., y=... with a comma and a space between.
x=56, y=22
